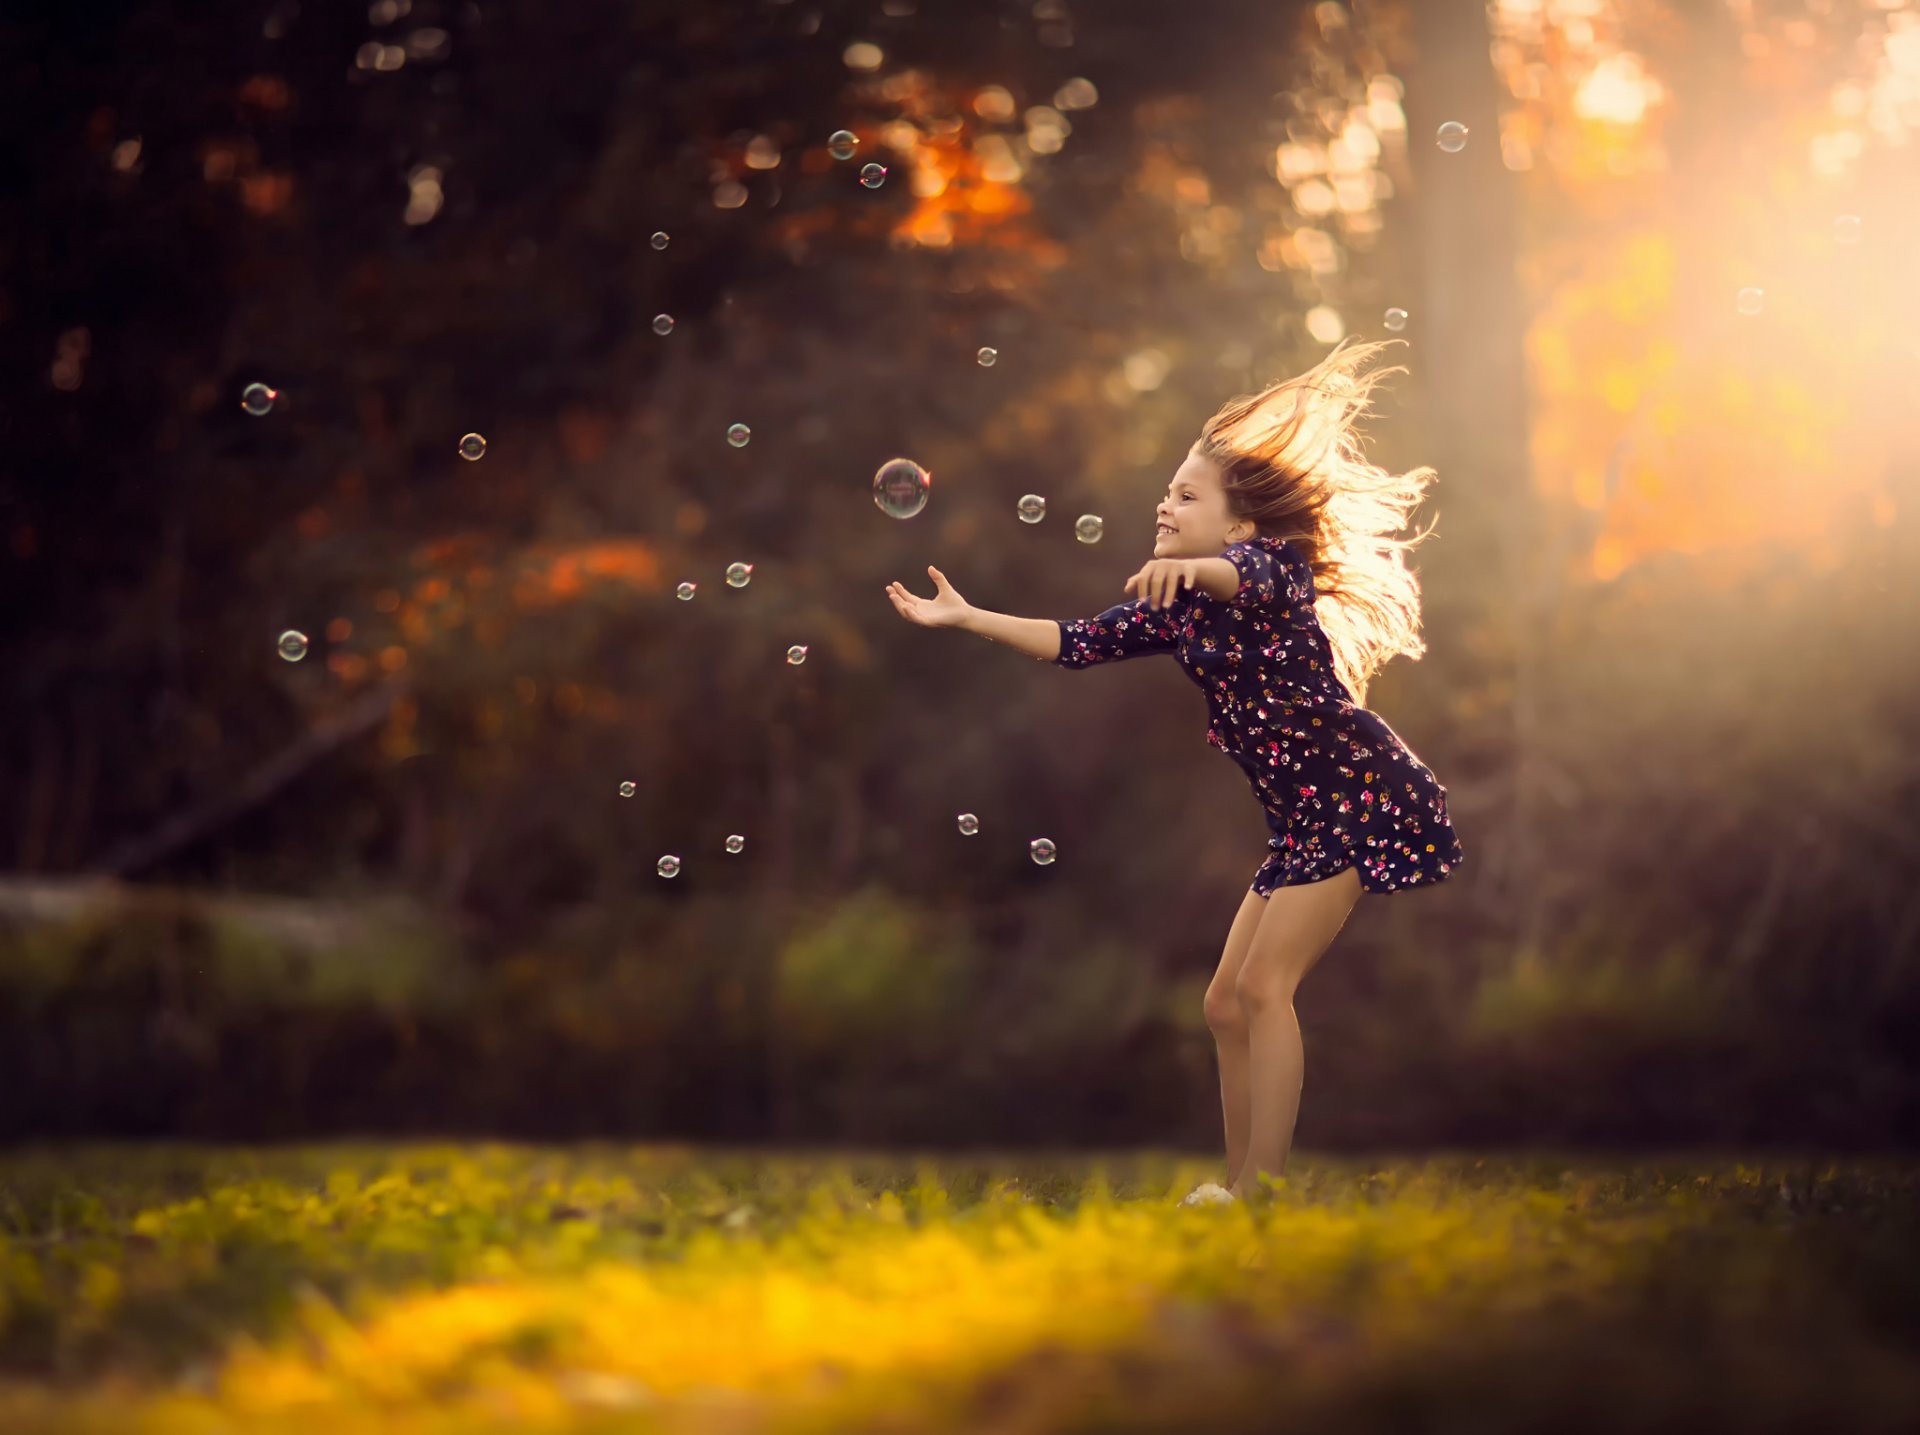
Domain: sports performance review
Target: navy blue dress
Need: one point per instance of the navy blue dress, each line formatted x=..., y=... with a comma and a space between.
x=1339, y=787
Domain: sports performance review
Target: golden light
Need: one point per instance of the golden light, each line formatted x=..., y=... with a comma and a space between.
x=1617, y=90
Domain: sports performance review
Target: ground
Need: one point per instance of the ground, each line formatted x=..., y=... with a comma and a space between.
x=465, y=1287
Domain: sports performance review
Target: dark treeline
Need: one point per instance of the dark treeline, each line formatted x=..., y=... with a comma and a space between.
x=1685, y=931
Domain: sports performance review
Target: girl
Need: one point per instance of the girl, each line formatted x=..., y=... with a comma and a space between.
x=1274, y=585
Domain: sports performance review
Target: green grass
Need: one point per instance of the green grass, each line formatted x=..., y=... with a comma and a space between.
x=442, y=1287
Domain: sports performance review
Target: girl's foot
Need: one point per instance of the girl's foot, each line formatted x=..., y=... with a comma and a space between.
x=1253, y=1191
x=1207, y=1193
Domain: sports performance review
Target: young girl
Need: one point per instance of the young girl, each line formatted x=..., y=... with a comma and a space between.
x=1274, y=585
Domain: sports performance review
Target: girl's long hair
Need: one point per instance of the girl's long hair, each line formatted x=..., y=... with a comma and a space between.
x=1291, y=462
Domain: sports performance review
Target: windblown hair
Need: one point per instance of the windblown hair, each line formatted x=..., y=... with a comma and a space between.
x=1291, y=463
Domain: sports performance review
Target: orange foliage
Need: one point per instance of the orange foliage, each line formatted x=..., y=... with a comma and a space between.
x=266, y=193
x=268, y=93
x=1691, y=426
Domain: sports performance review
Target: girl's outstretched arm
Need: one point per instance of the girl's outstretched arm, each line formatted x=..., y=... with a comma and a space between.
x=1036, y=637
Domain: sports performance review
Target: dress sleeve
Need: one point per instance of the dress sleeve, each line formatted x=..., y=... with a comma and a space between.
x=1262, y=564
x=1128, y=630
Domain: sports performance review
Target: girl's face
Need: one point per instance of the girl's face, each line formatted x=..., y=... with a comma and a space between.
x=1192, y=520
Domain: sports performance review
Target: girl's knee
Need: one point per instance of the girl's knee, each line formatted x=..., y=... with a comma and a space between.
x=1226, y=1014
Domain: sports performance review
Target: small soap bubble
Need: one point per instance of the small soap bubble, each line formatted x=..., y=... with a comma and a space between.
x=736, y=843
x=1396, y=320
x=256, y=399
x=627, y=789
x=738, y=435
x=901, y=487
x=1032, y=508
x=668, y=866
x=986, y=356
x=1042, y=850
x=293, y=645
x=1750, y=300
x=663, y=324
x=659, y=240
x=842, y=143
x=472, y=446
x=1846, y=229
x=684, y=591
x=873, y=175
x=739, y=574
x=1088, y=528
x=797, y=654
x=1451, y=137
x=969, y=824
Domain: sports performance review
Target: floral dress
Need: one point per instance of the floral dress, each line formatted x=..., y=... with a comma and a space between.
x=1340, y=788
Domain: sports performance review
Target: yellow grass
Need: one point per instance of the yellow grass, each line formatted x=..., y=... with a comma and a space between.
x=444, y=1287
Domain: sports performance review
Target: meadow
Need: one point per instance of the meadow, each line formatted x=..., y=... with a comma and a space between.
x=442, y=1287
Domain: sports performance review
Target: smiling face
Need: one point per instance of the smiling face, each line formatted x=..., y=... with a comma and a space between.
x=1192, y=521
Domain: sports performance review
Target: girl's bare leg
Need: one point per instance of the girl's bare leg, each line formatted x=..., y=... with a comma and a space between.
x=1297, y=927
x=1227, y=1019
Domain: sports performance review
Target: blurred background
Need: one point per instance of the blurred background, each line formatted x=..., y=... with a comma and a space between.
x=1660, y=331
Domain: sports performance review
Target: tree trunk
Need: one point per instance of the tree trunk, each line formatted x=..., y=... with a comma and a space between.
x=1467, y=357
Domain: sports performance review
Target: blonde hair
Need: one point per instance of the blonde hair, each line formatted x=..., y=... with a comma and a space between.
x=1290, y=462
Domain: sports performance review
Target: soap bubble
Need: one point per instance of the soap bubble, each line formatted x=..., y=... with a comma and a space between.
x=738, y=435
x=1032, y=508
x=969, y=824
x=1846, y=229
x=736, y=843
x=659, y=240
x=986, y=356
x=472, y=446
x=668, y=866
x=873, y=175
x=1042, y=850
x=842, y=143
x=1451, y=137
x=1750, y=300
x=1088, y=528
x=256, y=399
x=293, y=645
x=1396, y=320
x=901, y=487
x=684, y=591
x=627, y=789
x=663, y=324
x=739, y=574
x=797, y=654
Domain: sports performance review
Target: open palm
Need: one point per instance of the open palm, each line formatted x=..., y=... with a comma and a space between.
x=944, y=609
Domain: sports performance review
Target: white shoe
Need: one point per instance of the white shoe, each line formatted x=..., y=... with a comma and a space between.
x=1208, y=1193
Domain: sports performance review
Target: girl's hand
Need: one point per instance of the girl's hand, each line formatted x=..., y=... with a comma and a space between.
x=1160, y=581
x=945, y=609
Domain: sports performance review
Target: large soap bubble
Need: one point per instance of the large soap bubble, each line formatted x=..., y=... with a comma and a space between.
x=901, y=487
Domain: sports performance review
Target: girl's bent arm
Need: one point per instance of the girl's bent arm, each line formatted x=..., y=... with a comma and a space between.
x=1036, y=637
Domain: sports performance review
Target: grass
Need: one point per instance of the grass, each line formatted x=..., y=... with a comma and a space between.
x=441, y=1288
